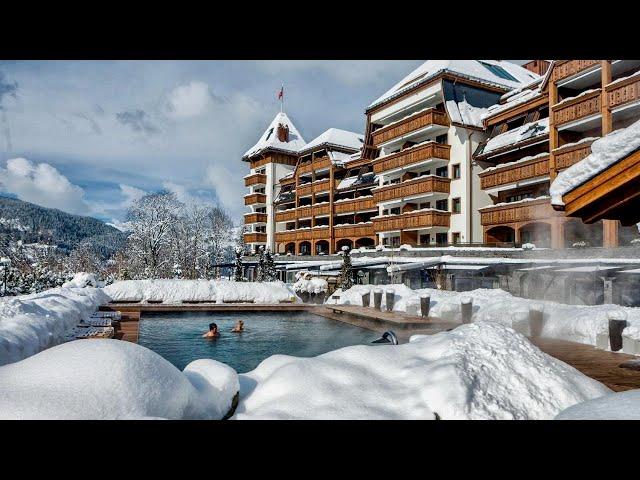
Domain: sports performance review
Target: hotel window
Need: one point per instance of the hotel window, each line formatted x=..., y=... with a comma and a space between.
x=456, y=205
x=442, y=139
x=394, y=211
x=424, y=205
x=518, y=197
x=455, y=171
x=442, y=205
x=425, y=239
x=455, y=237
x=441, y=238
x=442, y=172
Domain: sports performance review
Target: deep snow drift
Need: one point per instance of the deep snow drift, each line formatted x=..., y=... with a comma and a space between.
x=31, y=323
x=111, y=379
x=616, y=406
x=220, y=291
x=577, y=323
x=477, y=371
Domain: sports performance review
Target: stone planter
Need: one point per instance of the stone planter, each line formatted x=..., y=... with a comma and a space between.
x=602, y=341
x=630, y=346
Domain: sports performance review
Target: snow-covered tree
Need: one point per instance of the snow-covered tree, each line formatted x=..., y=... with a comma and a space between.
x=260, y=271
x=221, y=236
x=270, y=273
x=346, y=272
x=238, y=269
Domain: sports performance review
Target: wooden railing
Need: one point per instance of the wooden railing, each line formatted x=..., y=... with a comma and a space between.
x=567, y=156
x=322, y=186
x=289, y=236
x=304, y=212
x=288, y=216
x=355, y=205
x=412, y=220
x=255, y=198
x=323, y=209
x=410, y=124
x=317, y=164
x=623, y=92
x=256, y=218
x=255, y=237
x=411, y=156
x=255, y=179
x=518, y=212
x=411, y=188
x=304, y=190
x=568, y=68
x=577, y=108
x=347, y=231
x=508, y=174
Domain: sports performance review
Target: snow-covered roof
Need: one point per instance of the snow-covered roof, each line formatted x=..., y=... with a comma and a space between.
x=336, y=137
x=604, y=152
x=517, y=135
x=269, y=139
x=519, y=98
x=491, y=72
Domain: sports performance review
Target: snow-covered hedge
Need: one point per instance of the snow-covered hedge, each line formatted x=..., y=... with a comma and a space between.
x=578, y=323
x=31, y=323
x=220, y=291
x=307, y=283
x=111, y=379
x=477, y=371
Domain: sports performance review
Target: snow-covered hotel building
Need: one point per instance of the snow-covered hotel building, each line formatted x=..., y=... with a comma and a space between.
x=539, y=130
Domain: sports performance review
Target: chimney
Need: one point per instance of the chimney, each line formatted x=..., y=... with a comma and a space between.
x=537, y=66
x=283, y=133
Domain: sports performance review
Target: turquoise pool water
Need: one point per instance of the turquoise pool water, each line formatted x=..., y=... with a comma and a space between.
x=178, y=336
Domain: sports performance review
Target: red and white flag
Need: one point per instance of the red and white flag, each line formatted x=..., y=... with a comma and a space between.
x=281, y=93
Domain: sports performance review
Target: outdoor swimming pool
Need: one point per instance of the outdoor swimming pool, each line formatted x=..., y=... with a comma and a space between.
x=178, y=336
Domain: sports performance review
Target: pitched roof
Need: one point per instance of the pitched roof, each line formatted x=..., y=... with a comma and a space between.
x=491, y=72
x=269, y=139
x=337, y=138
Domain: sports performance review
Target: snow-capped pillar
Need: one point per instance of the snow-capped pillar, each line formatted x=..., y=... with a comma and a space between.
x=617, y=323
x=609, y=297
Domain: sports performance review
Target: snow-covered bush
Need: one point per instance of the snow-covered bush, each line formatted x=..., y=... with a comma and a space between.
x=580, y=244
x=82, y=280
x=307, y=283
x=405, y=247
x=528, y=246
x=635, y=241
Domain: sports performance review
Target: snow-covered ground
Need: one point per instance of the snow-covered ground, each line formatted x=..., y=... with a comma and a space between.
x=31, y=323
x=220, y=291
x=578, y=323
x=111, y=379
x=615, y=406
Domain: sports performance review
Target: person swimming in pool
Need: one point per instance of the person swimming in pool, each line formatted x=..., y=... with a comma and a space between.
x=238, y=327
x=213, y=331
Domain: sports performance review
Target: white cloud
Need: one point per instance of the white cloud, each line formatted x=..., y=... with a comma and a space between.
x=189, y=100
x=42, y=184
x=228, y=186
x=131, y=194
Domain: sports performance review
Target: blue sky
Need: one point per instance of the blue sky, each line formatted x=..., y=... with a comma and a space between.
x=94, y=135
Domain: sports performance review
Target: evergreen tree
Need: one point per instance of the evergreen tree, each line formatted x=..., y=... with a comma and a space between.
x=270, y=273
x=346, y=272
x=239, y=268
x=260, y=273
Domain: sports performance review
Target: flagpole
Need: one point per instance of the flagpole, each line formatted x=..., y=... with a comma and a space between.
x=282, y=99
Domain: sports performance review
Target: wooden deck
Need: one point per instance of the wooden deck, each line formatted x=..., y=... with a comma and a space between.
x=129, y=327
x=206, y=307
x=393, y=319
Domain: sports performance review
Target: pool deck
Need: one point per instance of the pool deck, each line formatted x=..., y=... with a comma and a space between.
x=598, y=364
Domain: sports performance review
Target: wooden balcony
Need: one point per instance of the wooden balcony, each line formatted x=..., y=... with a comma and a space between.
x=287, y=216
x=255, y=179
x=322, y=209
x=255, y=237
x=255, y=218
x=508, y=174
x=288, y=236
x=568, y=68
x=351, y=231
x=255, y=198
x=304, y=212
x=567, y=156
x=355, y=205
x=412, y=188
x=518, y=212
x=410, y=124
x=411, y=156
x=577, y=108
x=623, y=92
x=424, y=219
x=304, y=190
x=322, y=186
x=317, y=164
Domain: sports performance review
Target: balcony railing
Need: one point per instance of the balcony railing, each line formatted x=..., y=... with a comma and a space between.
x=323, y=209
x=577, y=108
x=567, y=156
x=412, y=155
x=255, y=218
x=412, y=188
x=410, y=124
x=349, y=231
x=304, y=190
x=287, y=216
x=322, y=186
x=255, y=198
x=518, y=212
x=304, y=212
x=420, y=219
x=508, y=174
x=569, y=68
x=255, y=237
x=255, y=179
x=355, y=205
x=317, y=164
x=289, y=236
x=623, y=92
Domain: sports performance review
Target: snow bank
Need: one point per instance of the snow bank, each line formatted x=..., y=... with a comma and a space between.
x=307, y=283
x=220, y=291
x=577, y=323
x=111, y=379
x=604, y=152
x=83, y=279
x=616, y=406
x=477, y=371
x=31, y=323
